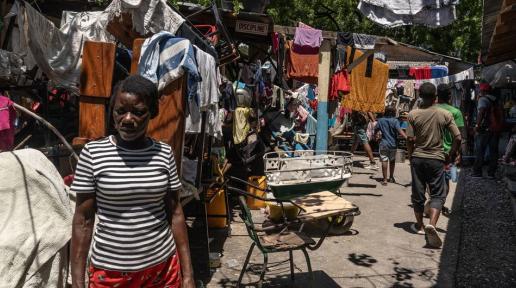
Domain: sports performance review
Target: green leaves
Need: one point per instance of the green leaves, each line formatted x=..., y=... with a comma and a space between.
x=461, y=38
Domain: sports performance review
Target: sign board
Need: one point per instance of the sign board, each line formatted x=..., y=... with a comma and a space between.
x=252, y=28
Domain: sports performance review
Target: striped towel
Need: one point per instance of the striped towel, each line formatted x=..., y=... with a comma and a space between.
x=165, y=58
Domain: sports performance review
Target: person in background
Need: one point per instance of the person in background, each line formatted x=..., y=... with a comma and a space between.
x=387, y=131
x=360, y=122
x=130, y=181
x=487, y=132
x=427, y=159
x=444, y=98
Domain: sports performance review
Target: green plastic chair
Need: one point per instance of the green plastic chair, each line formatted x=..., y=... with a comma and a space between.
x=284, y=241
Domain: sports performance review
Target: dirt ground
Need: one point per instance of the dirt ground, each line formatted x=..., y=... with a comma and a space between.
x=479, y=247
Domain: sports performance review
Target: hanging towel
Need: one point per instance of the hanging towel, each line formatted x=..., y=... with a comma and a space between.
x=339, y=83
x=439, y=71
x=241, y=124
x=302, y=67
x=367, y=93
x=308, y=37
x=165, y=58
x=430, y=17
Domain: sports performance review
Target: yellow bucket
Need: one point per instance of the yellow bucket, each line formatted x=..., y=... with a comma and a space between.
x=260, y=181
x=217, y=207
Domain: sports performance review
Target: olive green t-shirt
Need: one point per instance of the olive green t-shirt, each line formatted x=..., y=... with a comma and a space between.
x=459, y=121
x=428, y=126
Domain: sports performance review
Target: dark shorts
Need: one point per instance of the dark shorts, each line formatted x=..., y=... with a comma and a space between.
x=427, y=173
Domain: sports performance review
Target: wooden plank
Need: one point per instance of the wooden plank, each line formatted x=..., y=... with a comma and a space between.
x=169, y=125
x=137, y=49
x=98, y=63
x=359, y=60
x=322, y=205
x=92, y=118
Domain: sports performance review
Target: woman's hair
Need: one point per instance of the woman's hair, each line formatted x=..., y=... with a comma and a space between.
x=140, y=86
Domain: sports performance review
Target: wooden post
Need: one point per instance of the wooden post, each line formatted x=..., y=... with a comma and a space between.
x=98, y=63
x=322, y=104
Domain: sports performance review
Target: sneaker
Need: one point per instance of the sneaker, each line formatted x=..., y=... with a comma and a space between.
x=432, y=237
x=417, y=231
x=372, y=166
x=392, y=180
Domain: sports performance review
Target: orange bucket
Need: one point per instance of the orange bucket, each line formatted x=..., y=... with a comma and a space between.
x=217, y=207
x=260, y=181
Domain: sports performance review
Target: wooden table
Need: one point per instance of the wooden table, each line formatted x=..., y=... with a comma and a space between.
x=322, y=205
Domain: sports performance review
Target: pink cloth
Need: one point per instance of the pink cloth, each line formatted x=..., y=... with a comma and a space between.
x=302, y=113
x=308, y=37
x=7, y=117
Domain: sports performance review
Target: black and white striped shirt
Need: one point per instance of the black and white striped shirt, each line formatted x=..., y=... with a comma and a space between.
x=130, y=188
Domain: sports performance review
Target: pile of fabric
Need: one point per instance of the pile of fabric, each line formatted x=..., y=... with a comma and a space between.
x=36, y=221
x=394, y=13
x=57, y=51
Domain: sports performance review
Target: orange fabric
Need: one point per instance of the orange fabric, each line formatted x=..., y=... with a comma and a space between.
x=163, y=275
x=367, y=93
x=302, y=67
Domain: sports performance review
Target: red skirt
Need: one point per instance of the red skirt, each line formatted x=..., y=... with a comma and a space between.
x=166, y=274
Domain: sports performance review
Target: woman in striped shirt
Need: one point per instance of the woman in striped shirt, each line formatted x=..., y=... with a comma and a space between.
x=130, y=181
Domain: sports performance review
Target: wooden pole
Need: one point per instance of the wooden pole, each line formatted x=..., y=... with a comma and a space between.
x=322, y=104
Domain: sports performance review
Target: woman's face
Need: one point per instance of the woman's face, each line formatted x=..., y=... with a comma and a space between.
x=131, y=116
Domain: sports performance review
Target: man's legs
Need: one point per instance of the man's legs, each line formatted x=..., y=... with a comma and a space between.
x=418, y=189
x=392, y=165
x=437, y=185
x=369, y=152
x=481, y=141
x=384, y=159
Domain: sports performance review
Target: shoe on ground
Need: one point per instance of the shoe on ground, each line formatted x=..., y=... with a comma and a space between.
x=432, y=237
x=392, y=180
x=384, y=183
x=372, y=167
x=417, y=231
x=476, y=175
x=446, y=211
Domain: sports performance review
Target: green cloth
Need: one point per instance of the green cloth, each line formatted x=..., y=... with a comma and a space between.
x=459, y=121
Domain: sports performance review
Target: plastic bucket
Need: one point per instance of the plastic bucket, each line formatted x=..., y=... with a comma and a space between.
x=217, y=207
x=276, y=213
x=260, y=181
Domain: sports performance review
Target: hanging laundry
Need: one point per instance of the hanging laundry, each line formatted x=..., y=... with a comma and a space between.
x=421, y=73
x=308, y=37
x=367, y=93
x=363, y=41
x=7, y=118
x=302, y=113
x=439, y=71
x=408, y=88
x=241, y=124
x=403, y=72
x=339, y=83
x=302, y=67
x=165, y=58
x=275, y=42
x=395, y=13
x=208, y=95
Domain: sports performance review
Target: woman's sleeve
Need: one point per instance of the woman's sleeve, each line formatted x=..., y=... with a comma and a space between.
x=173, y=178
x=84, y=181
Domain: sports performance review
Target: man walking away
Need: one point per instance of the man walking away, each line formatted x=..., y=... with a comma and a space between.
x=388, y=128
x=444, y=98
x=487, y=131
x=360, y=121
x=425, y=148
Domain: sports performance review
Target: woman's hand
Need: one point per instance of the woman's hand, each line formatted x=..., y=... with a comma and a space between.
x=188, y=282
x=82, y=230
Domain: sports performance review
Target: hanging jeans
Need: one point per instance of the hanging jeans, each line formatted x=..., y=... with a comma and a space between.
x=484, y=141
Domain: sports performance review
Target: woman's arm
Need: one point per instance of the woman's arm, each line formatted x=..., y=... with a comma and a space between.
x=180, y=233
x=82, y=230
